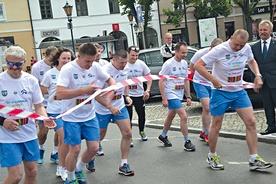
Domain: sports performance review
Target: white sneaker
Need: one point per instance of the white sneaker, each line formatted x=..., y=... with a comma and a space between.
x=61, y=172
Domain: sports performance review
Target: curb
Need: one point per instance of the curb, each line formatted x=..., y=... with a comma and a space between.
x=270, y=139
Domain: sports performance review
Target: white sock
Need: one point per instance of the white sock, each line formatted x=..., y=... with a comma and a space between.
x=80, y=165
x=55, y=150
x=210, y=154
x=71, y=175
x=41, y=147
x=253, y=157
x=124, y=161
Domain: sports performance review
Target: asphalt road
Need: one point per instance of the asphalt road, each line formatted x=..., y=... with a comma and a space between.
x=155, y=164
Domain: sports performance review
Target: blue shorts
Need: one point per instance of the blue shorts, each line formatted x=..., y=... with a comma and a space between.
x=58, y=121
x=202, y=91
x=105, y=119
x=221, y=101
x=174, y=104
x=74, y=132
x=12, y=154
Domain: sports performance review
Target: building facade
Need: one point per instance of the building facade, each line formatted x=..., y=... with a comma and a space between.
x=92, y=20
x=16, y=28
x=225, y=26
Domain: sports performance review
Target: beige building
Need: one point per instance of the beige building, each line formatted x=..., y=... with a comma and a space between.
x=16, y=28
x=224, y=26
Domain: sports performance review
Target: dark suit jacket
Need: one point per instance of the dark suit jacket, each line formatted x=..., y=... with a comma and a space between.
x=267, y=67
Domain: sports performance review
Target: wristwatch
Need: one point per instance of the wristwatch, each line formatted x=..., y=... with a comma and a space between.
x=259, y=75
x=189, y=97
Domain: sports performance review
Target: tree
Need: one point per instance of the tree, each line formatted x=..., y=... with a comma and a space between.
x=248, y=7
x=129, y=8
x=202, y=9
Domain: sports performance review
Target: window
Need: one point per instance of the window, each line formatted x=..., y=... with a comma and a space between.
x=2, y=12
x=114, y=6
x=46, y=9
x=81, y=7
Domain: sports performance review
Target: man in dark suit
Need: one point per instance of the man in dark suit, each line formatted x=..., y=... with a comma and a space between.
x=265, y=54
x=168, y=49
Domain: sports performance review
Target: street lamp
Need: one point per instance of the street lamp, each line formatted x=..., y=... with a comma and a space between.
x=130, y=18
x=136, y=29
x=68, y=10
x=186, y=24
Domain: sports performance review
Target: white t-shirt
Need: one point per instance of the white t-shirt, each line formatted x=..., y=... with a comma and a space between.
x=19, y=93
x=228, y=65
x=38, y=70
x=72, y=76
x=174, y=88
x=118, y=100
x=137, y=69
x=195, y=58
x=50, y=82
x=103, y=62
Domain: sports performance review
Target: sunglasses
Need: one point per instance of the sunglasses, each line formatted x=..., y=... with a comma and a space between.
x=18, y=64
x=136, y=49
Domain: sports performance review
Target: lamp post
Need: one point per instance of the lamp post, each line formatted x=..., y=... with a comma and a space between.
x=136, y=29
x=186, y=24
x=68, y=10
x=130, y=18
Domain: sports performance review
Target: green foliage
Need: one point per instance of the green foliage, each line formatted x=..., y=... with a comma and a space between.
x=202, y=9
x=247, y=6
x=129, y=8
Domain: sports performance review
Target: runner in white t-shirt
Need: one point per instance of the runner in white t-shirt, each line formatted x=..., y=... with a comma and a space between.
x=136, y=92
x=229, y=59
x=75, y=84
x=38, y=70
x=18, y=139
x=117, y=112
x=49, y=83
x=172, y=92
x=203, y=89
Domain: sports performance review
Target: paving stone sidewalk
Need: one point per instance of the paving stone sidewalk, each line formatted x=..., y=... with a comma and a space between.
x=232, y=123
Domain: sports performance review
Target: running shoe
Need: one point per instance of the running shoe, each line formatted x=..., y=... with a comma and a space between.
x=131, y=143
x=215, y=163
x=204, y=137
x=91, y=165
x=71, y=182
x=54, y=157
x=164, y=140
x=41, y=156
x=188, y=146
x=259, y=164
x=80, y=177
x=61, y=172
x=125, y=170
x=100, y=151
x=143, y=136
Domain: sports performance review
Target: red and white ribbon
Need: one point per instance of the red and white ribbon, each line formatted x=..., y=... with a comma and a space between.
x=25, y=114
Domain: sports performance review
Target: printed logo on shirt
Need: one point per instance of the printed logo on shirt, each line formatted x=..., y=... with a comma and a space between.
x=41, y=73
x=90, y=75
x=15, y=92
x=227, y=56
x=132, y=87
x=76, y=76
x=23, y=91
x=53, y=76
x=174, y=68
x=4, y=92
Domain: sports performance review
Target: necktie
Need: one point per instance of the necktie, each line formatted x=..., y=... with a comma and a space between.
x=264, y=50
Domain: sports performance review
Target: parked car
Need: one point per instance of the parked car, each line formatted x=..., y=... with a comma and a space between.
x=154, y=60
